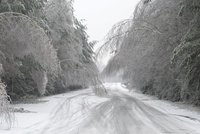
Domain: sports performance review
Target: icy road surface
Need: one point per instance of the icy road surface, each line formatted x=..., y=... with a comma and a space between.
x=121, y=112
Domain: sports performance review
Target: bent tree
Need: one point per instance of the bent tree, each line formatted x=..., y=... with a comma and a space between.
x=27, y=50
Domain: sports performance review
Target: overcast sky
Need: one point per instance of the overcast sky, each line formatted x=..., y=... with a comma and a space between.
x=101, y=15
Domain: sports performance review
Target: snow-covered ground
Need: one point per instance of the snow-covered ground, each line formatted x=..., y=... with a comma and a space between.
x=121, y=112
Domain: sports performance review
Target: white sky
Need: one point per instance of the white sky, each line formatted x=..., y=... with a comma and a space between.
x=101, y=15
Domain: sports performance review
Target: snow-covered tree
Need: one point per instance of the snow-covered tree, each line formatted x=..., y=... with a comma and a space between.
x=186, y=55
x=71, y=41
x=6, y=115
x=158, y=27
x=27, y=48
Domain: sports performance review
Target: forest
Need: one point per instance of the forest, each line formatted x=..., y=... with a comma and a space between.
x=157, y=50
x=50, y=70
x=44, y=48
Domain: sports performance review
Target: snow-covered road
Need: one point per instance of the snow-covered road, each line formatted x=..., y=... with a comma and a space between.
x=121, y=112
